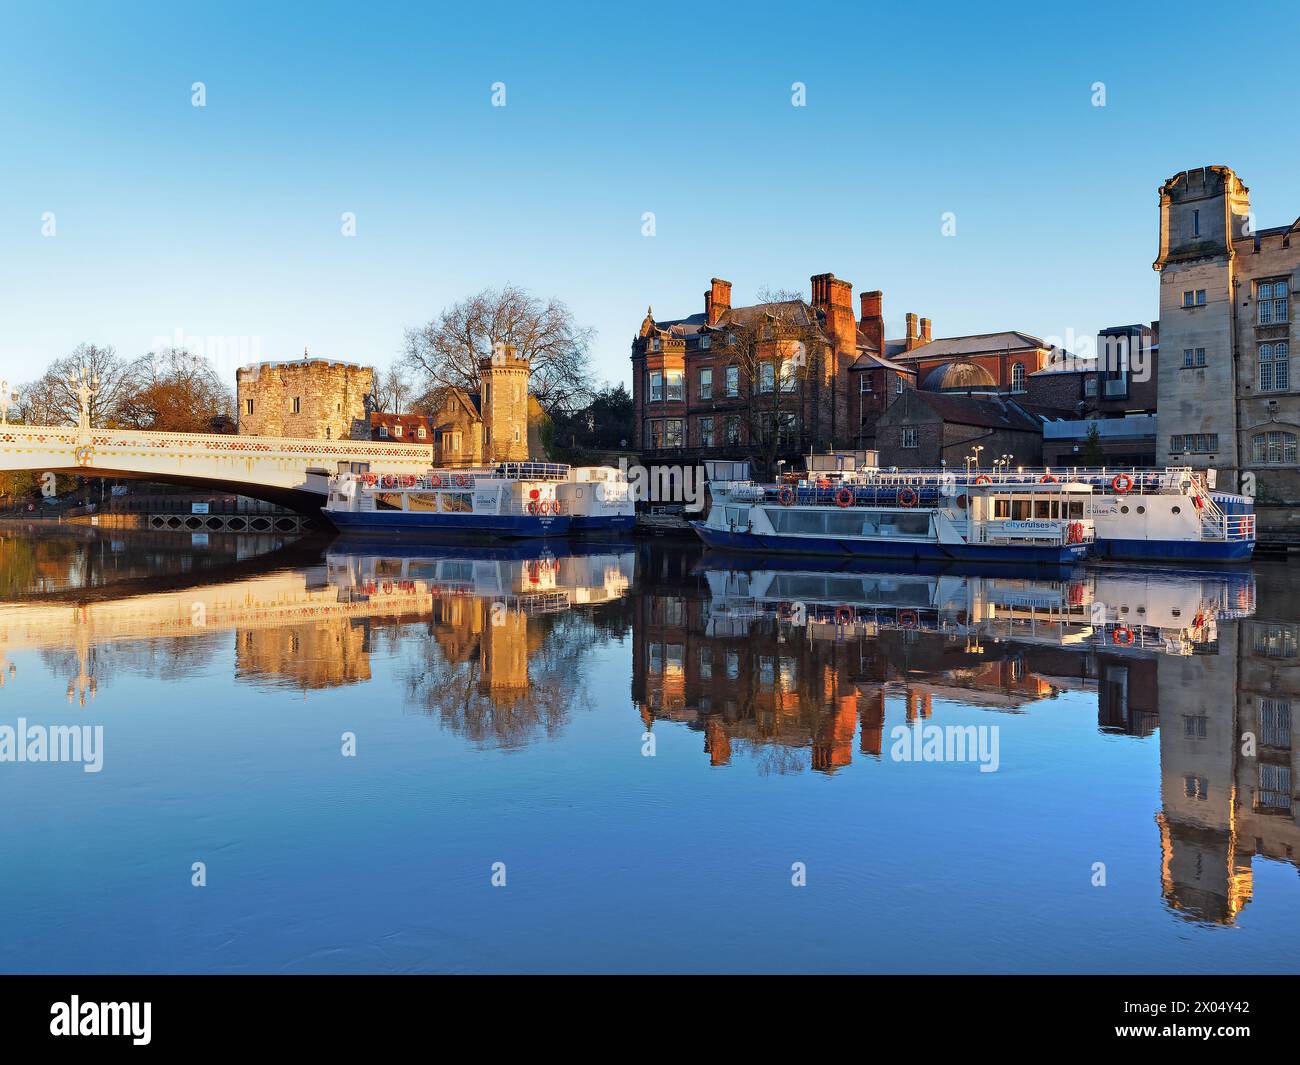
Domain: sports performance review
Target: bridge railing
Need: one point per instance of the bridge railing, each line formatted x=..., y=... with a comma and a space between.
x=219, y=443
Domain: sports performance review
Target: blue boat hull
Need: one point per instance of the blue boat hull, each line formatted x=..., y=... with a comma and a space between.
x=405, y=523
x=588, y=524
x=909, y=550
x=1176, y=550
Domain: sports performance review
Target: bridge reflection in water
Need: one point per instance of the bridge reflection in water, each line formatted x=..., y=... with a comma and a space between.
x=793, y=667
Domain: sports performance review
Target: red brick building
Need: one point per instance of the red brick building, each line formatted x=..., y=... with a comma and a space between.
x=693, y=398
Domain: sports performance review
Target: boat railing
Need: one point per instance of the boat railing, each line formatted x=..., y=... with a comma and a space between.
x=1138, y=480
x=531, y=471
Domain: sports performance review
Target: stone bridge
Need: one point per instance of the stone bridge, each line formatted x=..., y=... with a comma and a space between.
x=290, y=472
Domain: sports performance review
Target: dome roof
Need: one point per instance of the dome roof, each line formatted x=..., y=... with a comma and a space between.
x=960, y=376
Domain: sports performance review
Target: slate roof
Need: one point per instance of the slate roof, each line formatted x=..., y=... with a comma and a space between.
x=988, y=412
x=977, y=344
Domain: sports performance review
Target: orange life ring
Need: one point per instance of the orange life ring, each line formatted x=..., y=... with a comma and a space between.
x=1121, y=483
x=786, y=496
x=908, y=496
x=1122, y=636
x=983, y=478
x=908, y=619
x=1048, y=478
x=532, y=507
x=1075, y=533
x=844, y=497
x=844, y=615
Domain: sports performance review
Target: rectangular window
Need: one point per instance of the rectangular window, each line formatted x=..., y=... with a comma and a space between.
x=789, y=376
x=1188, y=297
x=864, y=383
x=706, y=432
x=1275, y=722
x=1272, y=298
x=733, y=381
x=248, y=406
x=1089, y=386
x=898, y=384
x=674, y=429
x=656, y=387
x=297, y=405
x=1196, y=223
x=911, y=436
x=787, y=429
x=1200, y=356
x=1200, y=297
x=766, y=377
x=706, y=383
x=733, y=429
x=674, y=391
x=706, y=341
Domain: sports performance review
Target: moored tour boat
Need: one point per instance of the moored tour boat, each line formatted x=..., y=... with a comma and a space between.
x=505, y=500
x=1173, y=514
x=1041, y=523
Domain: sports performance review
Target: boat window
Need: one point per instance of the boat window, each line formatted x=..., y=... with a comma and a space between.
x=1076, y=509
x=457, y=503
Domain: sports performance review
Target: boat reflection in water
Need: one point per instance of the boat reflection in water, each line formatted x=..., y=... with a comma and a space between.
x=790, y=663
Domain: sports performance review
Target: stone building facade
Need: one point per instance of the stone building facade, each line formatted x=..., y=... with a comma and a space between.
x=311, y=399
x=1227, y=397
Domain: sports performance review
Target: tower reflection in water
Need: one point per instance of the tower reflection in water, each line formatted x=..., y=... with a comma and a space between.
x=789, y=663
x=502, y=657
x=795, y=667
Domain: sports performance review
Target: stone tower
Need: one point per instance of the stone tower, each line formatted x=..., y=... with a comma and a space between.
x=505, y=405
x=313, y=399
x=1202, y=212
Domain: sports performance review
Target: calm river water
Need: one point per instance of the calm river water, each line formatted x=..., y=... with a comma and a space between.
x=355, y=757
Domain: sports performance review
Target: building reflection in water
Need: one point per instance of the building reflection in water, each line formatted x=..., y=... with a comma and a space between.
x=796, y=667
x=789, y=663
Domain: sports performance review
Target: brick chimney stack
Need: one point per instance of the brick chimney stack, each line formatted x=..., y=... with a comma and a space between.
x=913, y=336
x=872, y=324
x=717, y=301
x=925, y=331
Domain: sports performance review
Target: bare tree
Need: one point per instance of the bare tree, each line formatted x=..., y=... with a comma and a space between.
x=394, y=391
x=52, y=400
x=447, y=351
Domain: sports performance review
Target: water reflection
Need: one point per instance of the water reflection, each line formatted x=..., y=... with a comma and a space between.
x=793, y=667
x=788, y=663
x=502, y=657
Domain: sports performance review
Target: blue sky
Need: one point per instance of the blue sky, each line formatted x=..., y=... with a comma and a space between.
x=225, y=220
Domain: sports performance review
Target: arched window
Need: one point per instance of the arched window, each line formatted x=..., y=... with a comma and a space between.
x=1018, y=377
x=1275, y=447
x=1274, y=367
